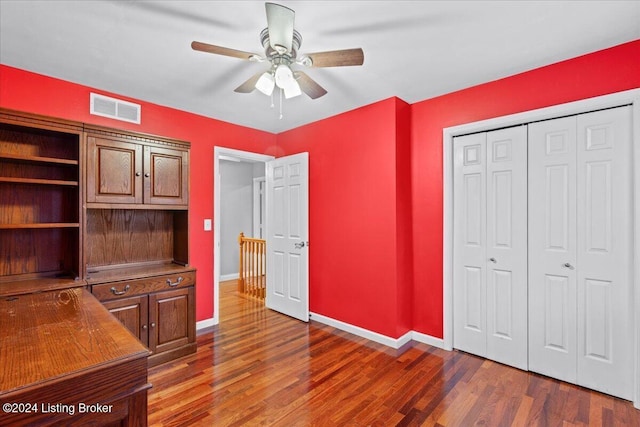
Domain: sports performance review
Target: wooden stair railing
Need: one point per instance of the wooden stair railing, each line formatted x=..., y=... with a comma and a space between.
x=253, y=269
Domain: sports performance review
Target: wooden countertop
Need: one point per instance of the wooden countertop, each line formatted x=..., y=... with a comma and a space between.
x=50, y=335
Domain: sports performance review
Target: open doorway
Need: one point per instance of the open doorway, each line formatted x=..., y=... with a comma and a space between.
x=235, y=174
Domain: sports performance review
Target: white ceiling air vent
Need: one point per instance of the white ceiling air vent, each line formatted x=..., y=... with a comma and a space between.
x=115, y=108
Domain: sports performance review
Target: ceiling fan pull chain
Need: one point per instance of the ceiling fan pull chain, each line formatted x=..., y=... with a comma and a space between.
x=281, y=104
x=272, y=104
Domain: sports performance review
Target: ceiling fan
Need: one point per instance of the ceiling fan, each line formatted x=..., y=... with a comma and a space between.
x=281, y=43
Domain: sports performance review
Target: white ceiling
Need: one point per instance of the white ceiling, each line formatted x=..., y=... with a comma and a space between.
x=414, y=50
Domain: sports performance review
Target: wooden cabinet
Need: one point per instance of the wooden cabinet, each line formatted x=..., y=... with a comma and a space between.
x=114, y=171
x=139, y=171
x=158, y=310
x=85, y=205
x=168, y=176
x=171, y=323
x=40, y=208
x=133, y=313
x=136, y=249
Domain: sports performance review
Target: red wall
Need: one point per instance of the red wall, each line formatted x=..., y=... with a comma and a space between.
x=353, y=189
x=25, y=91
x=375, y=179
x=607, y=71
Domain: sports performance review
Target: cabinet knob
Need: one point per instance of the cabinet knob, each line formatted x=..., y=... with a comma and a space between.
x=146, y=175
x=153, y=324
x=144, y=327
x=138, y=174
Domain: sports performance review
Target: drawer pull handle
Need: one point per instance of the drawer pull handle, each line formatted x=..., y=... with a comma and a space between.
x=122, y=292
x=174, y=284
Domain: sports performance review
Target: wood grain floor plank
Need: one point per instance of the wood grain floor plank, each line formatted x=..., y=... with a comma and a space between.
x=261, y=368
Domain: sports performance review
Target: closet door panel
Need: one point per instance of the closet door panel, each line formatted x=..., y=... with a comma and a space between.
x=552, y=248
x=469, y=270
x=604, y=245
x=507, y=246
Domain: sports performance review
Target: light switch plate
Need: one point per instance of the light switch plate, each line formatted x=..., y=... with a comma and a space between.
x=207, y=225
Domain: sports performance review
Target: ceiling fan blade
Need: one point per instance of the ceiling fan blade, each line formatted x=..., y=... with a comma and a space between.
x=280, y=21
x=337, y=58
x=250, y=84
x=309, y=86
x=219, y=50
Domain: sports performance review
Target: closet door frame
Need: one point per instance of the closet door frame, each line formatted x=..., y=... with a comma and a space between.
x=630, y=97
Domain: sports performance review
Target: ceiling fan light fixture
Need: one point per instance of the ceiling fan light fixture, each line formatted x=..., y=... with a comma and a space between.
x=283, y=76
x=266, y=83
x=292, y=89
x=285, y=81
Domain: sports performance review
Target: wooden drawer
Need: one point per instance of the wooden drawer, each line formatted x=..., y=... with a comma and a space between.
x=127, y=288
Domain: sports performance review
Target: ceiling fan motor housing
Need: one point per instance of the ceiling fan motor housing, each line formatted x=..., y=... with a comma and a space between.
x=280, y=58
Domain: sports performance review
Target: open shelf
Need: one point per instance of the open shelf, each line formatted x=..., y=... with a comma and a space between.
x=37, y=159
x=40, y=225
x=40, y=209
x=39, y=181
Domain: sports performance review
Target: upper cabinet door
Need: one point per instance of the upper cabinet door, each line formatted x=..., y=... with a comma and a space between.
x=114, y=171
x=128, y=172
x=166, y=176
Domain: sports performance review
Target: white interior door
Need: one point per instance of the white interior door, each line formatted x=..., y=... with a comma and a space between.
x=605, y=252
x=507, y=246
x=580, y=286
x=287, y=235
x=469, y=247
x=552, y=248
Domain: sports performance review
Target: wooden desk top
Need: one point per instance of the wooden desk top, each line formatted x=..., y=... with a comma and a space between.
x=50, y=335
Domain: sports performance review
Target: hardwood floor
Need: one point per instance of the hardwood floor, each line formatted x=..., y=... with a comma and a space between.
x=259, y=367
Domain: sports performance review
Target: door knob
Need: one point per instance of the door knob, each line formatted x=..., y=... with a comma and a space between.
x=493, y=260
x=567, y=265
x=299, y=245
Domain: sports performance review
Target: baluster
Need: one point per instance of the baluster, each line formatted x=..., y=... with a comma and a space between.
x=250, y=267
x=262, y=270
x=241, y=264
x=255, y=269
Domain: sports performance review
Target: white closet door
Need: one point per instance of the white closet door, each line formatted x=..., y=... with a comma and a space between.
x=490, y=245
x=580, y=250
x=605, y=248
x=552, y=248
x=469, y=264
x=507, y=246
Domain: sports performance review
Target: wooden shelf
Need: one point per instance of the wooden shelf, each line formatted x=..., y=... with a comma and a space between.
x=40, y=225
x=39, y=181
x=16, y=285
x=38, y=159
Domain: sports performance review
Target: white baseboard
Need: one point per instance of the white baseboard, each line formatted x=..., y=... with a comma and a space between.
x=394, y=343
x=427, y=339
x=206, y=323
x=232, y=276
